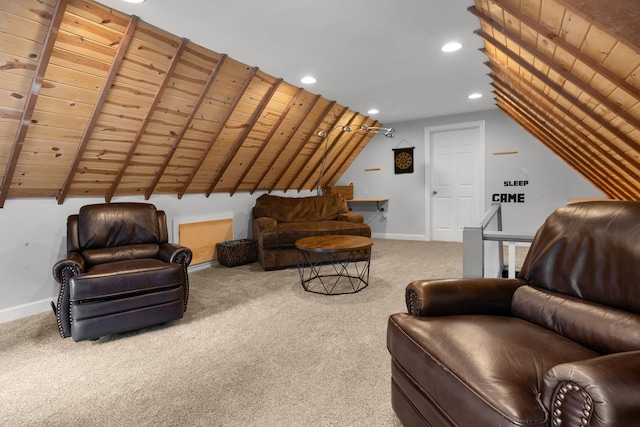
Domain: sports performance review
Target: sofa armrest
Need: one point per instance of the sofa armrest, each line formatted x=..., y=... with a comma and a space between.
x=604, y=391
x=351, y=217
x=264, y=223
x=441, y=297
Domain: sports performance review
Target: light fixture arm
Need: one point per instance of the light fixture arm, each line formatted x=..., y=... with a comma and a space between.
x=324, y=134
x=388, y=132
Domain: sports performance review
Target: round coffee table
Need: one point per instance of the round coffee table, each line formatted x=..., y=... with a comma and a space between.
x=347, y=259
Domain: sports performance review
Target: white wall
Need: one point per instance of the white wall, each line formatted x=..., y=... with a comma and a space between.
x=34, y=239
x=33, y=230
x=550, y=181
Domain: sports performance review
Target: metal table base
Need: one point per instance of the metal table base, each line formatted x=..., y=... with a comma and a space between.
x=351, y=273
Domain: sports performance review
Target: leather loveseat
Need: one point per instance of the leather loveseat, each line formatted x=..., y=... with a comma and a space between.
x=120, y=273
x=557, y=346
x=279, y=221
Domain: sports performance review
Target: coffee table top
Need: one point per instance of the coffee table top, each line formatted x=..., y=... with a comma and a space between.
x=334, y=243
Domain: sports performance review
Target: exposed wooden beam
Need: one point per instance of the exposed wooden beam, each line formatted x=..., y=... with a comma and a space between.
x=588, y=90
x=312, y=134
x=559, y=41
x=549, y=140
x=97, y=108
x=215, y=136
x=321, y=149
x=553, y=139
x=340, y=149
x=333, y=145
x=147, y=119
x=187, y=123
x=266, y=100
x=619, y=17
x=557, y=88
x=571, y=120
x=575, y=153
x=32, y=97
x=284, y=146
x=364, y=140
x=267, y=139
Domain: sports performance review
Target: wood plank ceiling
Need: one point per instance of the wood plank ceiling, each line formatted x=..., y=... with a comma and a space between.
x=94, y=102
x=568, y=71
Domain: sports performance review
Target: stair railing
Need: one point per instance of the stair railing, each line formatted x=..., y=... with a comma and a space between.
x=475, y=246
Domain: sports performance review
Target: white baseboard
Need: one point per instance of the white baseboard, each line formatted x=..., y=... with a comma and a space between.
x=25, y=310
x=398, y=236
x=202, y=265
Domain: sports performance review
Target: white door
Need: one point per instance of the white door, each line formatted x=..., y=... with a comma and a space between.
x=457, y=179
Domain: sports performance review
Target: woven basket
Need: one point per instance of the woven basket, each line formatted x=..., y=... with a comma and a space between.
x=237, y=252
x=345, y=190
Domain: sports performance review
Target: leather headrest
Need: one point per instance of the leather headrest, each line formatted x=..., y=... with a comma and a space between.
x=117, y=224
x=590, y=250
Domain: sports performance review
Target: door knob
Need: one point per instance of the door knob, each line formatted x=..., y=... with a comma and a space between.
x=435, y=192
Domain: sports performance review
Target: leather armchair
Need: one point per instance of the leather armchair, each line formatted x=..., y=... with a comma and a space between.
x=557, y=346
x=120, y=272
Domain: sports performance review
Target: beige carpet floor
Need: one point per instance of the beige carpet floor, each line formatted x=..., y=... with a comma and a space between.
x=253, y=349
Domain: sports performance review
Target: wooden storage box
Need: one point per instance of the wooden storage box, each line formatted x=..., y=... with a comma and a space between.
x=345, y=190
x=237, y=252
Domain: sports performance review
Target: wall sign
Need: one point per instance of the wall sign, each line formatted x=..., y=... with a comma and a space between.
x=510, y=197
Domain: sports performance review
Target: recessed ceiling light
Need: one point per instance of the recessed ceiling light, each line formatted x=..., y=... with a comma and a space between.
x=373, y=111
x=308, y=80
x=134, y=1
x=451, y=47
x=475, y=95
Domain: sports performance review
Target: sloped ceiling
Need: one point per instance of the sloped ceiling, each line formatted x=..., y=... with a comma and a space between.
x=568, y=71
x=94, y=102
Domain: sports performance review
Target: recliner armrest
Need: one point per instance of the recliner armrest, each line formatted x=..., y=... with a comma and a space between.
x=74, y=261
x=604, y=391
x=442, y=297
x=172, y=252
x=63, y=271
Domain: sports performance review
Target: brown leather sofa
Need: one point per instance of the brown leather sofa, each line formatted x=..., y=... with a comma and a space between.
x=279, y=221
x=558, y=346
x=120, y=272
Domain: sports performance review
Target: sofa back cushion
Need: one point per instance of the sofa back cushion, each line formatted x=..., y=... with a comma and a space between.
x=114, y=225
x=300, y=209
x=598, y=327
x=589, y=250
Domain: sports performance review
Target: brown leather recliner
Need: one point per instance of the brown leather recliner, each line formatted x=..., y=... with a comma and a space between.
x=558, y=346
x=120, y=272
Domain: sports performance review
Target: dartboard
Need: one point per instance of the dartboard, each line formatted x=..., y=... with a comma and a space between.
x=404, y=160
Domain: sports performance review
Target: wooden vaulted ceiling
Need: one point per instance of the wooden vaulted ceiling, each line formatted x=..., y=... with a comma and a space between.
x=568, y=71
x=94, y=102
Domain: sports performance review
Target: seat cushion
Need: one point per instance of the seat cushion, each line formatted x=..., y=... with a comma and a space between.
x=493, y=366
x=125, y=277
x=120, y=253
